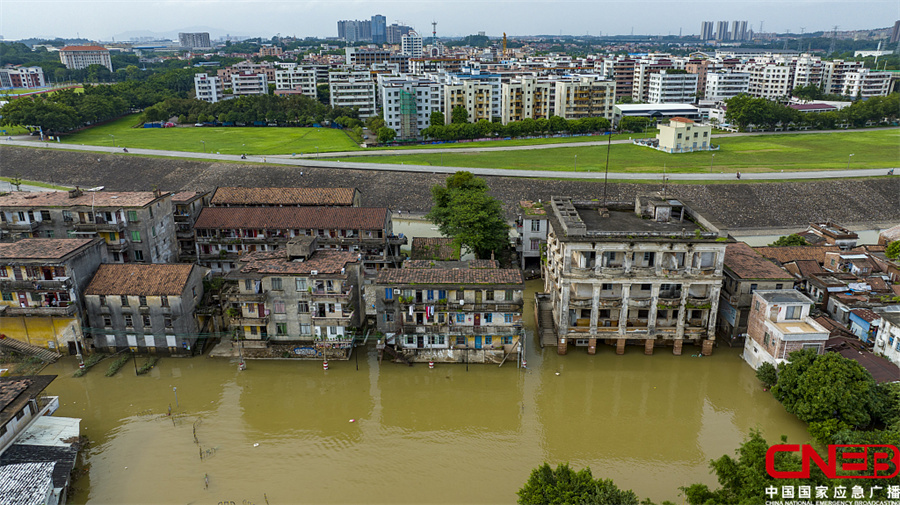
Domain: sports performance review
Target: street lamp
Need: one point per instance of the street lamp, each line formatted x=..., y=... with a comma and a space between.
x=576, y=162
x=711, y=159
x=204, y=145
x=848, y=161
x=113, y=138
x=317, y=152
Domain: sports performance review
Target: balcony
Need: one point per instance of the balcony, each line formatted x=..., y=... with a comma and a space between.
x=250, y=321
x=581, y=272
x=66, y=311
x=19, y=225
x=101, y=225
x=321, y=293
x=332, y=319
x=117, y=246
x=59, y=283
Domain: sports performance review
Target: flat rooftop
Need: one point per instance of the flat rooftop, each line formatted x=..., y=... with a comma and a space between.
x=783, y=296
x=625, y=221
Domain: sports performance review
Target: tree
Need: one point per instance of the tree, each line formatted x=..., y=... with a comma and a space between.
x=767, y=374
x=743, y=481
x=892, y=250
x=437, y=118
x=459, y=115
x=547, y=486
x=830, y=392
x=463, y=210
x=789, y=240
x=386, y=135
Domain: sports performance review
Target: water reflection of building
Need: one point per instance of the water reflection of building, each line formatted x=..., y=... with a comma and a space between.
x=451, y=311
x=647, y=273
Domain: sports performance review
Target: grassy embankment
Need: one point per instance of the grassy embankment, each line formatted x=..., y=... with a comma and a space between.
x=764, y=153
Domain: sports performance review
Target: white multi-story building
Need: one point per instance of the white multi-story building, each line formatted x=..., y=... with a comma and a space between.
x=887, y=341
x=85, y=56
x=249, y=83
x=296, y=79
x=353, y=89
x=584, y=96
x=22, y=77
x=407, y=103
x=866, y=83
x=835, y=72
x=207, y=88
x=411, y=44
x=199, y=40
x=769, y=80
x=724, y=85
x=672, y=87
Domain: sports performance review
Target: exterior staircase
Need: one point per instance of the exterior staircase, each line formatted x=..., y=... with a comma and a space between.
x=11, y=344
x=398, y=356
x=544, y=313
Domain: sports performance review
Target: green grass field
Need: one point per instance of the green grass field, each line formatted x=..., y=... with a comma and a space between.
x=765, y=153
x=522, y=142
x=222, y=140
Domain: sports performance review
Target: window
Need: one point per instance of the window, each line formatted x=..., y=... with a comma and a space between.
x=509, y=295
x=146, y=320
x=429, y=295
x=306, y=329
x=281, y=329
x=194, y=292
x=389, y=317
x=107, y=321
x=128, y=321
x=276, y=283
x=153, y=231
x=766, y=339
x=793, y=312
x=253, y=330
x=168, y=322
x=507, y=318
x=488, y=318
x=460, y=318
x=279, y=307
x=779, y=286
x=124, y=300
x=138, y=255
x=151, y=211
x=388, y=294
x=103, y=300
x=135, y=236
x=302, y=307
x=507, y=341
x=753, y=287
x=142, y=300
x=442, y=294
x=164, y=300
x=535, y=225
x=300, y=284
x=535, y=244
x=488, y=340
x=248, y=284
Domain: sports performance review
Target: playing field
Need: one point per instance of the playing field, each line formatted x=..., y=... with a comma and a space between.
x=231, y=140
x=762, y=153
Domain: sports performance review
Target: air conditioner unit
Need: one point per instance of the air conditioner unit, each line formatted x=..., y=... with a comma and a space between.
x=462, y=302
x=396, y=291
x=314, y=272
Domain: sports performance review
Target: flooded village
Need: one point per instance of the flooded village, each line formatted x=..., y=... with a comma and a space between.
x=297, y=345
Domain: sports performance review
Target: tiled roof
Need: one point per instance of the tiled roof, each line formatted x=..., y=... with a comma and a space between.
x=138, y=279
x=87, y=198
x=25, y=483
x=84, y=48
x=283, y=196
x=15, y=392
x=42, y=248
x=449, y=276
x=679, y=119
x=808, y=267
x=185, y=196
x=287, y=218
x=799, y=252
x=891, y=234
x=881, y=369
x=835, y=328
x=747, y=264
x=866, y=315
x=434, y=248
x=484, y=264
x=275, y=262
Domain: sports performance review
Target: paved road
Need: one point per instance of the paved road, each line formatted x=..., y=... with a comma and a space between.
x=499, y=172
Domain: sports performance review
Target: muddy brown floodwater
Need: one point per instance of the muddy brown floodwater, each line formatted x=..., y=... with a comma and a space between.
x=289, y=432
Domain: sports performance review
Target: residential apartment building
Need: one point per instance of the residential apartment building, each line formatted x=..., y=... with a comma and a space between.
x=474, y=96
x=407, y=103
x=532, y=225
x=866, y=83
x=265, y=67
x=296, y=80
x=779, y=324
x=41, y=282
x=224, y=234
x=188, y=205
x=22, y=77
x=672, y=86
x=644, y=68
x=620, y=70
x=888, y=340
x=298, y=294
x=145, y=308
x=356, y=57
x=722, y=85
x=136, y=226
x=451, y=311
x=249, y=83
x=578, y=97
x=353, y=89
x=835, y=72
x=769, y=79
x=411, y=44
x=526, y=97
x=394, y=33
x=745, y=273
x=207, y=88
x=647, y=273
x=198, y=40
x=85, y=56
x=284, y=197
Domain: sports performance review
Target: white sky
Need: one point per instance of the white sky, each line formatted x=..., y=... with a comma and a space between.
x=104, y=19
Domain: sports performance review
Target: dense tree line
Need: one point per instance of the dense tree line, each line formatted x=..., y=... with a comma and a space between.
x=744, y=110
x=460, y=128
x=297, y=110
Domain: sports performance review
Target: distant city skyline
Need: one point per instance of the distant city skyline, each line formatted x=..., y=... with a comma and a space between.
x=97, y=20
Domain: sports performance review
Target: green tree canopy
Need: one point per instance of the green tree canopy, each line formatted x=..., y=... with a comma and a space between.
x=437, y=118
x=463, y=210
x=459, y=115
x=788, y=240
x=564, y=486
x=892, y=250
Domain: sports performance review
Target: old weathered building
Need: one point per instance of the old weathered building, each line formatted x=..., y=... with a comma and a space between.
x=136, y=226
x=41, y=282
x=297, y=294
x=531, y=223
x=648, y=273
x=285, y=197
x=187, y=205
x=779, y=324
x=147, y=308
x=451, y=311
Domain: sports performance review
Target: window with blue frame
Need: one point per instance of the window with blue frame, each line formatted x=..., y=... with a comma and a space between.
x=388, y=294
x=460, y=318
x=488, y=340
x=507, y=340
x=507, y=318
x=442, y=294
x=430, y=295
x=460, y=340
x=488, y=318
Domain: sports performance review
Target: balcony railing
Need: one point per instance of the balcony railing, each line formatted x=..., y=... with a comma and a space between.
x=19, y=225
x=68, y=310
x=250, y=321
x=36, y=284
